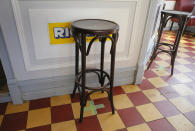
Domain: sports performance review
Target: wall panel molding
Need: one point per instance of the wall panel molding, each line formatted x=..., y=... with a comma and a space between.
x=39, y=63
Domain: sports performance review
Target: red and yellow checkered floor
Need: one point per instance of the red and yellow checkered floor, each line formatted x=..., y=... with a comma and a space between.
x=160, y=103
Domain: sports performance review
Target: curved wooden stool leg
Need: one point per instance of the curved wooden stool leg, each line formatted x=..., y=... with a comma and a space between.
x=83, y=66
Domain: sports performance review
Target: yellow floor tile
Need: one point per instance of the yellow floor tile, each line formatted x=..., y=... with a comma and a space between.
x=140, y=127
x=1, y=119
x=158, y=82
x=167, y=41
x=62, y=126
x=39, y=117
x=160, y=72
x=110, y=122
x=60, y=100
x=182, y=55
x=122, y=101
x=181, y=123
x=154, y=95
x=182, y=49
x=149, y=112
x=182, y=104
x=76, y=110
x=164, y=56
x=162, y=63
x=130, y=88
x=11, y=108
x=182, y=89
x=98, y=95
x=182, y=45
x=182, y=78
x=183, y=41
x=182, y=61
x=182, y=68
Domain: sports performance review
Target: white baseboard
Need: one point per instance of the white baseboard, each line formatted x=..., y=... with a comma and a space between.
x=35, y=89
x=142, y=65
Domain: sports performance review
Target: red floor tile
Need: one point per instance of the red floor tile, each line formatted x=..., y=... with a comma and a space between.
x=13, y=122
x=90, y=123
x=149, y=74
x=40, y=103
x=191, y=116
x=122, y=129
x=130, y=116
x=138, y=98
x=146, y=85
x=168, y=92
x=105, y=102
x=190, y=48
x=118, y=90
x=161, y=125
x=170, y=80
x=153, y=65
x=77, y=98
x=61, y=113
x=190, y=54
x=3, y=107
x=158, y=58
x=41, y=128
x=189, y=44
x=166, y=108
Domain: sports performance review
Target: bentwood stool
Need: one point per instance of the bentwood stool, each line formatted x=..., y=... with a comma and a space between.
x=166, y=15
x=101, y=30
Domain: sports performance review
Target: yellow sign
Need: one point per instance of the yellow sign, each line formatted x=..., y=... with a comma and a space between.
x=59, y=33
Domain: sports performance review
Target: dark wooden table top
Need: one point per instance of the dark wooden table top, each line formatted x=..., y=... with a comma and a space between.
x=94, y=26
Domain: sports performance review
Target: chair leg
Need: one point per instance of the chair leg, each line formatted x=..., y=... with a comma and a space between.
x=185, y=30
x=111, y=102
x=113, y=52
x=81, y=112
x=83, y=64
x=171, y=25
x=76, y=67
x=172, y=63
x=74, y=91
x=103, y=41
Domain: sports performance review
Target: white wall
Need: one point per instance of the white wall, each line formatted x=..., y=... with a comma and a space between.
x=169, y=5
x=44, y=60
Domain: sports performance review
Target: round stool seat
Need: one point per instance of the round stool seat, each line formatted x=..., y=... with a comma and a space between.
x=175, y=12
x=94, y=26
